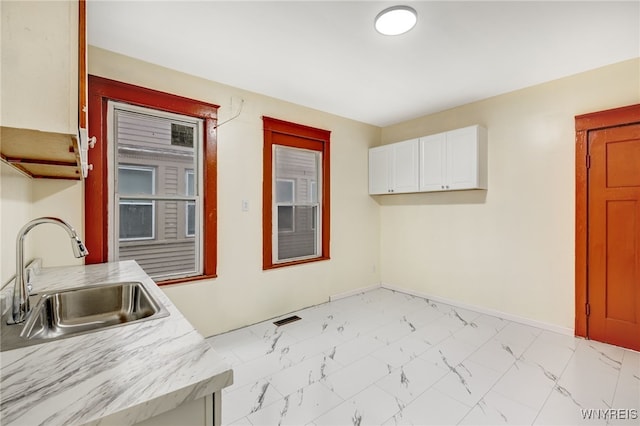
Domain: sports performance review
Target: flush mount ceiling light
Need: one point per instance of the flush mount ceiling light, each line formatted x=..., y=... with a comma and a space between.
x=396, y=20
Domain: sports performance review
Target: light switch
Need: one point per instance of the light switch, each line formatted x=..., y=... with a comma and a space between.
x=245, y=205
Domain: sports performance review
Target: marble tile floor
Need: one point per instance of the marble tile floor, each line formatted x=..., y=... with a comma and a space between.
x=388, y=358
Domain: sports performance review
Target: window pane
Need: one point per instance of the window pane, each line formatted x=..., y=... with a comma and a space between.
x=285, y=218
x=136, y=220
x=182, y=135
x=295, y=165
x=191, y=184
x=191, y=219
x=301, y=242
x=170, y=253
x=149, y=140
x=284, y=191
x=135, y=181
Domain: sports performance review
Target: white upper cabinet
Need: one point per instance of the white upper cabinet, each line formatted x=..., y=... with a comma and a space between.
x=447, y=161
x=380, y=170
x=394, y=168
x=454, y=160
x=39, y=121
x=433, y=161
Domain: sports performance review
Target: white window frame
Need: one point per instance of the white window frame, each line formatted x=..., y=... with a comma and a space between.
x=113, y=226
x=308, y=203
x=133, y=200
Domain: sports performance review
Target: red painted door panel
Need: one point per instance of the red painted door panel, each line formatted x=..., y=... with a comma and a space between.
x=614, y=236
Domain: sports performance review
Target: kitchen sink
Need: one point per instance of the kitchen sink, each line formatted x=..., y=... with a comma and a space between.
x=65, y=313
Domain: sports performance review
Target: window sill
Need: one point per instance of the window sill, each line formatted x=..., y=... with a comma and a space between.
x=293, y=263
x=185, y=280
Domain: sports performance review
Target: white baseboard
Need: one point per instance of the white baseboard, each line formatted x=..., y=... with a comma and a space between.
x=353, y=292
x=510, y=317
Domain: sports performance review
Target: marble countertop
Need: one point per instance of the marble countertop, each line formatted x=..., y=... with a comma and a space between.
x=120, y=375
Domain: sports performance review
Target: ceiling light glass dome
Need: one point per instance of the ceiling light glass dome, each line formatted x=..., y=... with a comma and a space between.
x=396, y=20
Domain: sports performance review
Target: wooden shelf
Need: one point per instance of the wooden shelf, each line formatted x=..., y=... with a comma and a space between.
x=41, y=154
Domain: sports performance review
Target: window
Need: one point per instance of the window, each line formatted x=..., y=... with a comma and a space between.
x=150, y=202
x=296, y=194
x=151, y=195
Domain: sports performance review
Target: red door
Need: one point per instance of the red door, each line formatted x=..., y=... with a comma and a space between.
x=613, y=247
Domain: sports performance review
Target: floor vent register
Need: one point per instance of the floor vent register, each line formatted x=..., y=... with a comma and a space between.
x=287, y=320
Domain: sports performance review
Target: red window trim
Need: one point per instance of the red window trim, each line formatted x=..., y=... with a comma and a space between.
x=101, y=90
x=279, y=132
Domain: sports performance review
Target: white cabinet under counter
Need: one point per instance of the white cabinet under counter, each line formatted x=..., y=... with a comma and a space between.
x=447, y=161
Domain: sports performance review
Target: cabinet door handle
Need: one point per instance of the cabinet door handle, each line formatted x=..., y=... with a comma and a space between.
x=442, y=186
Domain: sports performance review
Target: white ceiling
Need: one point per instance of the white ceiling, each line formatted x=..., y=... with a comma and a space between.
x=326, y=54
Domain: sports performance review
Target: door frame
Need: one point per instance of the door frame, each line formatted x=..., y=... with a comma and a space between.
x=586, y=123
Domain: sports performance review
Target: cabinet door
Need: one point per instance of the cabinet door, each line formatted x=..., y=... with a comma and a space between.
x=380, y=170
x=39, y=66
x=462, y=158
x=405, y=166
x=432, y=162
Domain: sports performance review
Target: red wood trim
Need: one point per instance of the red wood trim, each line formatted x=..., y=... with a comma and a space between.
x=584, y=124
x=210, y=200
x=609, y=118
x=294, y=129
x=297, y=262
x=96, y=184
x=326, y=199
x=267, y=200
x=144, y=97
x=581, y=234
x=296, y=141
x=82, y=64
x=279, y=132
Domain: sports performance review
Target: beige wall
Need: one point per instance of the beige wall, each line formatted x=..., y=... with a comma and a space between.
x=24, y=199
x=510, y=248
x=15, y=192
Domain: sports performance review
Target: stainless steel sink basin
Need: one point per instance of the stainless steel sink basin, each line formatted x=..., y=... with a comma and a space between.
x=64, y=313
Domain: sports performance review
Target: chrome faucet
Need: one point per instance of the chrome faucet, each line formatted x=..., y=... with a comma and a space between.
x=21, y=307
